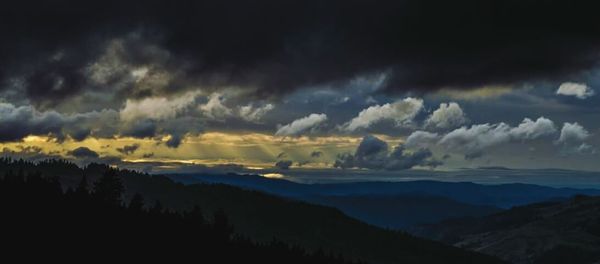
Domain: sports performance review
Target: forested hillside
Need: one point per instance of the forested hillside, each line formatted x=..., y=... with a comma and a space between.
x=260, y=217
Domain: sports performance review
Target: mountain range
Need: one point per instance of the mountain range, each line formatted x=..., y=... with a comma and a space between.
x=398, y=205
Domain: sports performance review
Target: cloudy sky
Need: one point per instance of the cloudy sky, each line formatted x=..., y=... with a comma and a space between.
x=338, y=84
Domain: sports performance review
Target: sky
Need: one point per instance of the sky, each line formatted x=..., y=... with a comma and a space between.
x=373, y=86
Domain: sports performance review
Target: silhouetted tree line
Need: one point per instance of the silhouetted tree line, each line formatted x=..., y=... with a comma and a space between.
x=84, y=215
x=41, y=219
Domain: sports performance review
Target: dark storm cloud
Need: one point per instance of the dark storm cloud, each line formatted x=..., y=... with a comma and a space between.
x=174, y=141
x=84, y=156
x=284, y=164
x=178, y=128
x=278, y=46
x=128, y=149
x=83, y=152
x=144, y=128
x=373, y=153
x=19, y=122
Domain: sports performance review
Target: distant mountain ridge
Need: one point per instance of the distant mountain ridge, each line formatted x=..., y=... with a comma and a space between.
x=398, y=205
x=502, y=195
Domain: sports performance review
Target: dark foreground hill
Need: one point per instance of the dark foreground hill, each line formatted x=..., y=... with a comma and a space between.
x=40, y=220
x=263, y=217
x=544, y=233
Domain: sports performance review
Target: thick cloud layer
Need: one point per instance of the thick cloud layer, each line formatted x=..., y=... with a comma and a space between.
x=278, y=46
x=18, y=122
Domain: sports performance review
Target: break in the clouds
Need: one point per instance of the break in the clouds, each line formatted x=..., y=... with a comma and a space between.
x=400, y=112
x=579, y=90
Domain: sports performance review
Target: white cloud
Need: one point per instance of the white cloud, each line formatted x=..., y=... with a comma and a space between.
x=572, y=139
x=421, y=139
x=449, y=115
x=157, y=108
x=401, y=112
x=572, y=133
x=301, y=125
x=254, y=114
x=579, y=90
x=529, y=129
x=214, y=108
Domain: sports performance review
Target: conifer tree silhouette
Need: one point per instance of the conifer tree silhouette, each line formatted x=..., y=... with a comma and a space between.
x=157, y=208
x=82, y=188
x=109, y=188
x=195, y=216
x=136, y=203
x=221, y=225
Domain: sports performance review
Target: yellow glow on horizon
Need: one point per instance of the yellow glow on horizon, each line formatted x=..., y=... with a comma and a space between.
x=273, y=175
x=252, y=150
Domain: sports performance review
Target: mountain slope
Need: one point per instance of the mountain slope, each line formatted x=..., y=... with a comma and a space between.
x=401, y=211
x=263, y=217
x=553, y=232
